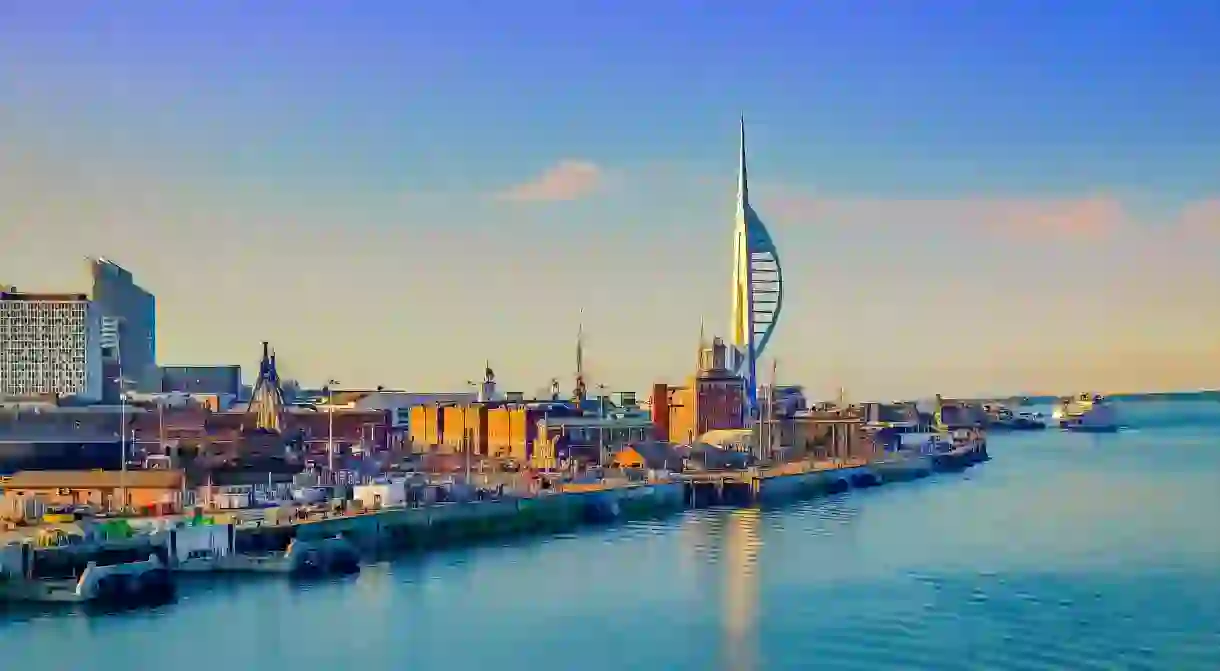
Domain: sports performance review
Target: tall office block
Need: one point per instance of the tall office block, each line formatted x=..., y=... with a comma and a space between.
x=50, y=345
x=129, y=324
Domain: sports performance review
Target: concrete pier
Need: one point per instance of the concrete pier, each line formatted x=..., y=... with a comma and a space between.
x=797, y=481
x=455, y=523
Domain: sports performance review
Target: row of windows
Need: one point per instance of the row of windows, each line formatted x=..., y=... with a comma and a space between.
x=41, y=331
x=11, y=364
x=20, y=366
x=43, y=350
x=27, y=347
x=36, y=325
x=14, y=358
x=42, y=314
x=23, y=366
x=23, y=309
x=49, y=337
x=32, y=387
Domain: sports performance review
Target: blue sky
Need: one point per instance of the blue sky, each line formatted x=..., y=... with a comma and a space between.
x=969, y=197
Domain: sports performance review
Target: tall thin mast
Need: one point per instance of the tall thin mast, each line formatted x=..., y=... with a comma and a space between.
x=580, y=359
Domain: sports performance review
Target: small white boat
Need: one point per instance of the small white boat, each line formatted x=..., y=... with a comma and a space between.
x=1086, y=412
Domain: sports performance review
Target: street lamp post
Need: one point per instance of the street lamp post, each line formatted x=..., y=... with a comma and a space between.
x=465, y=438
x=330, y=431
x=601, y=425
x=122, y=382
x=122, y=443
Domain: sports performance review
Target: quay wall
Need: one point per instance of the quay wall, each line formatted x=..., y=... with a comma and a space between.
x=780, y=488
x=452, y=523
x=438, y=524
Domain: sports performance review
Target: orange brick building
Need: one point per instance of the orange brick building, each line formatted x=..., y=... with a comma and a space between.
x=712, y=399
x=503, y=431
x=99, y=489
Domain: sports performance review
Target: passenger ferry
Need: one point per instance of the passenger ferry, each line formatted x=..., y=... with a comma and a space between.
x=1002, y=418
x=1086, y=412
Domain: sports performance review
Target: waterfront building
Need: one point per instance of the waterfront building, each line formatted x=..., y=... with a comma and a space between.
x=208, y=438
x=130, y=317
x=102, y=490
x=38, y=436
x=758, y=289
x=50, y=346
x=654, y=455
x=539, y=432
x=497, y=430
x=199, y=379
x=713, y=399
x=397, y=406
x=626, y=400
x=587, y=439
x=837, y=434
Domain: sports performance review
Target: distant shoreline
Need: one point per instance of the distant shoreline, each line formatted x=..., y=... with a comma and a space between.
x=1020, y=399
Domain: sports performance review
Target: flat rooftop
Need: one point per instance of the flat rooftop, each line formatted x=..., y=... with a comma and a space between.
x=43, y=297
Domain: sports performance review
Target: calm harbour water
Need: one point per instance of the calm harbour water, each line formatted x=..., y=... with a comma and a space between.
x=1064, y=551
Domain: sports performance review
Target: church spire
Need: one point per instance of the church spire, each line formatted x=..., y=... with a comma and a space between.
x=267, y=397
x=579, y=393
x=700, y=365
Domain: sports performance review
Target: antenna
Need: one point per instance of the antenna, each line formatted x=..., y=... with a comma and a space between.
x=580, y=344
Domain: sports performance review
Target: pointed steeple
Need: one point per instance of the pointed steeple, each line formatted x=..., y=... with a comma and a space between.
x=580, y=345
x=579, y=393
x=267, y=398
x=700, y=364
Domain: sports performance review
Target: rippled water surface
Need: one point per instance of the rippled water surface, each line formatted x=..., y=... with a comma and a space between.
x=1063, y=552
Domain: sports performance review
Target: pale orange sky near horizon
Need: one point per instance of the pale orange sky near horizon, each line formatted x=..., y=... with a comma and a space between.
x=957, y=296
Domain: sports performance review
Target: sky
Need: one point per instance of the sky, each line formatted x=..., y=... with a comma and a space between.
x=969, y=198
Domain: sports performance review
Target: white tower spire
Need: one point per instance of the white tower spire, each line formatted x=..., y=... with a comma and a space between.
x=742, y=328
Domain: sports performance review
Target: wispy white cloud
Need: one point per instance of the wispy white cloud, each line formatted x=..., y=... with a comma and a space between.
x=568, y=179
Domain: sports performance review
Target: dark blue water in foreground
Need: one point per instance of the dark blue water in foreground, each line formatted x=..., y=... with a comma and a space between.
x=1063, y=552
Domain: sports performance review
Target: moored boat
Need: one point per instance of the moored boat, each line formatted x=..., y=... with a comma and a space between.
x=1004, y=419
x=1086, y=412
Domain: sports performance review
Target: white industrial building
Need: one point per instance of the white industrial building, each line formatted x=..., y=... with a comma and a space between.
x=50, y=344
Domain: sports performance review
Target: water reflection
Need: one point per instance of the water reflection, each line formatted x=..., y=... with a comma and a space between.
x=739, y=617
x=1058, y=553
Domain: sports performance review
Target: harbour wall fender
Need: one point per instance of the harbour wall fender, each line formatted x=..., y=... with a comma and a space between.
x=91, y=578
x=216, y=539
x=791, y=485
x=669, y=493
x=361, y=527
x=15, y=560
